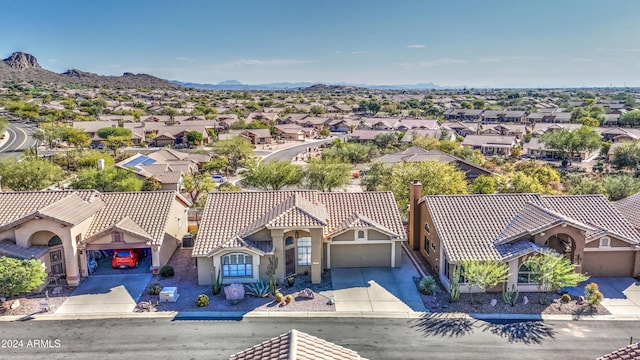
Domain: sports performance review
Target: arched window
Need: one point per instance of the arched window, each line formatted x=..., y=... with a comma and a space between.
x=54, y=241
x=361, y=235
x=605, y=242
x=288, y=241
x=525, y=275
x=426, y=227
x=237, y=265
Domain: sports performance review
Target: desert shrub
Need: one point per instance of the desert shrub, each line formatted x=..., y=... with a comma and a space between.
x=203, y=300
x=167, y=271
x=155, y=289
x=288, y=298
x=258, y=289
x=279, y=297
x=565, y=298
x=427, y=285
x=593, y=295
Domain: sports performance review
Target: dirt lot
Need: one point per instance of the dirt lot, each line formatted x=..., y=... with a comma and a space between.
x=186, y=280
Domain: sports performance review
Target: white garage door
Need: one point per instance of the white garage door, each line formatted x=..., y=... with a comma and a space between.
x=360, y=255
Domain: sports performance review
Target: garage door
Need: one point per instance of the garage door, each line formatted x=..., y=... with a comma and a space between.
x=610, y=263
x=373, y=255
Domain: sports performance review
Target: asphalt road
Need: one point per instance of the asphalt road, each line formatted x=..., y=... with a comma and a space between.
x=288, y=154
x=19, y=139
x=386, y=339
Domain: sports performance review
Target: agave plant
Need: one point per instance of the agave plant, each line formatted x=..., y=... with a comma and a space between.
x=258, y=289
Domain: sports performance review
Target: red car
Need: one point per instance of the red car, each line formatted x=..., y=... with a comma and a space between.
x=125, y=258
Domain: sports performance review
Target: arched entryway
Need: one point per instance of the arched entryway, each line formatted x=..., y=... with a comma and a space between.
x=563, y=244
x=55, y=261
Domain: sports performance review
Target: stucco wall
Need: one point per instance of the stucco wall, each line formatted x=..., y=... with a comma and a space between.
x=205, y=268
x=433, y=256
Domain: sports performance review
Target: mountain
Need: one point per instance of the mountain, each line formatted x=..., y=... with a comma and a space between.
x=23, y=67
x=236, y=85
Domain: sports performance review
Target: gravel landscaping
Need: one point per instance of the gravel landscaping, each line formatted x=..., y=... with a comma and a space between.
x=186, y=280
x=30, y=304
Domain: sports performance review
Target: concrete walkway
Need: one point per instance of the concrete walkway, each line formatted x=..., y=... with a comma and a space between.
x=621, y=295
x=377, y=289
x=106, y=294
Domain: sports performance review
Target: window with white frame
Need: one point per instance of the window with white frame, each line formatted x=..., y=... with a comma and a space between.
x=426, y=244
x=605, y=242
x=525, y=275
x=361, y=235
x=237, y=265
x=304, y=251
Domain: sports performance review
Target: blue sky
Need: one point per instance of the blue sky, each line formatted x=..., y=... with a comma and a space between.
x=534, y=43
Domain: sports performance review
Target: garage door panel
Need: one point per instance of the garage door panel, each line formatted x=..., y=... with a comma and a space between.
x=608, y=263
x=360, y=255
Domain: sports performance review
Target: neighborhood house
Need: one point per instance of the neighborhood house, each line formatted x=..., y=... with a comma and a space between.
x=304, y=231
x=587, y=229
x=64, y=228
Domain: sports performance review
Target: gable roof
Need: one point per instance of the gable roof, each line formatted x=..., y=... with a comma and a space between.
x=629, y=207
x=228, y=217
x=480, y=226
x=628, y=352
x=296, y=345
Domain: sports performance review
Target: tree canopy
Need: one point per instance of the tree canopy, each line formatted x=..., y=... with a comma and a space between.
x=570, y=142
x=29, y=174
x=20, y=276
x=235, y=150
x=627, y=156
x=110, y=179
x=272, y=175
x=198, y=186
x=326, y=175
x=552, y=271
x=105, y=133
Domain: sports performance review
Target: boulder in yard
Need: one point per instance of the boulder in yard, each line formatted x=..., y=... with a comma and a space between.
x=234, y=292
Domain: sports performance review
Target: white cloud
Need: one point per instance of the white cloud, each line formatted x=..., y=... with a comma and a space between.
x=416, y=46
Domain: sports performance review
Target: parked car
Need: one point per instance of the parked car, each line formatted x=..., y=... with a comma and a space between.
x=219, y=178
x=100, y=146
x=125, y=258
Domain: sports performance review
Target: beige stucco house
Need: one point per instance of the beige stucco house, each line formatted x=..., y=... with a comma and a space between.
x=62, y=228
x=307, y=231
x=587, y=229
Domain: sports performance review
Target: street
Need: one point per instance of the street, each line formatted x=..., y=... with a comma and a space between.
x=289, y=153
x=19, y=139
x=428, y=338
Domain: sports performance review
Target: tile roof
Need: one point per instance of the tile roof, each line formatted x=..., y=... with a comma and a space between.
x=595, y=211
x=296, y=345
x=469, y=224
x=227, y=217
x=476, y=226
x=9, y=248
x=629, y=207
x=628, y=352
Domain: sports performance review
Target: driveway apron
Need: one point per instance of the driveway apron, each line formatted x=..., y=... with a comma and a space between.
x=377, y=289
x=103, y=294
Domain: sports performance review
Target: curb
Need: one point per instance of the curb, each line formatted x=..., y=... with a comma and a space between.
x=238, y=316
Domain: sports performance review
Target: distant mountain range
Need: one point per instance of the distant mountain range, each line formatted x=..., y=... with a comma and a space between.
x=236, y=85
x=23, y=67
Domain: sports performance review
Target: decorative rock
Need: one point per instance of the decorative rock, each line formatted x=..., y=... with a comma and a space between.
x=234, y=292
x=525, y=300
x=56, y=290
x=580, y=300
x=494, y=302
x=306, y=293
x=15, y=304
x=330, y=302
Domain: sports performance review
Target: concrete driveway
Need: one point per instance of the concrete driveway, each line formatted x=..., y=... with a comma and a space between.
x=104, y=294
x=377, y=289
x=621, y=294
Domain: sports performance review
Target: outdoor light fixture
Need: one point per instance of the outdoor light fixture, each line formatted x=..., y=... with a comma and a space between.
x=296, y=234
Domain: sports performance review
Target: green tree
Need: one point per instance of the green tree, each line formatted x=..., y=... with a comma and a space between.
x=272, y=175
x=631, y=119
x=552, y=271
x=198, y=186
x=478, y=104
x=235, y=150
x=436, y=178
x=75, y=137
x=353, y=153
x=29, y=174
x=110, y=179
x=374, y=178
x=522, y=183
x=326, y=175
x=194, y=137
x=627, y=156
x=570, y=142
x=483, y=184
x=151, y=184
x=89, y=159
x=620, y=186
x=114, y=131
x=20, y=276
x=317, y=110
x=580, y=184
x=117, y=142
x=484, y=274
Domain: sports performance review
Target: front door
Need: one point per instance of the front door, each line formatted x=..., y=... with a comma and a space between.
x=290, y=261
x=57, y=260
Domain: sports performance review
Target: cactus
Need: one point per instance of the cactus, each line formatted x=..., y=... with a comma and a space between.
x=454, y=293
x=203, y=300
x=288, y=298
x=279, y=297
x=216, y=284
x=271, y=271
x=510, y=296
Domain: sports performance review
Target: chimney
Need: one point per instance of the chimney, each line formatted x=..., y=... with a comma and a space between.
x=415, y=193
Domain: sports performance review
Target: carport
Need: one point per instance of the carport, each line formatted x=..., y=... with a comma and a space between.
x=103, y=253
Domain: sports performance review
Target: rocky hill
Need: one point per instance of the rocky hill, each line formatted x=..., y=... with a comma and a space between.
x=24, y=68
